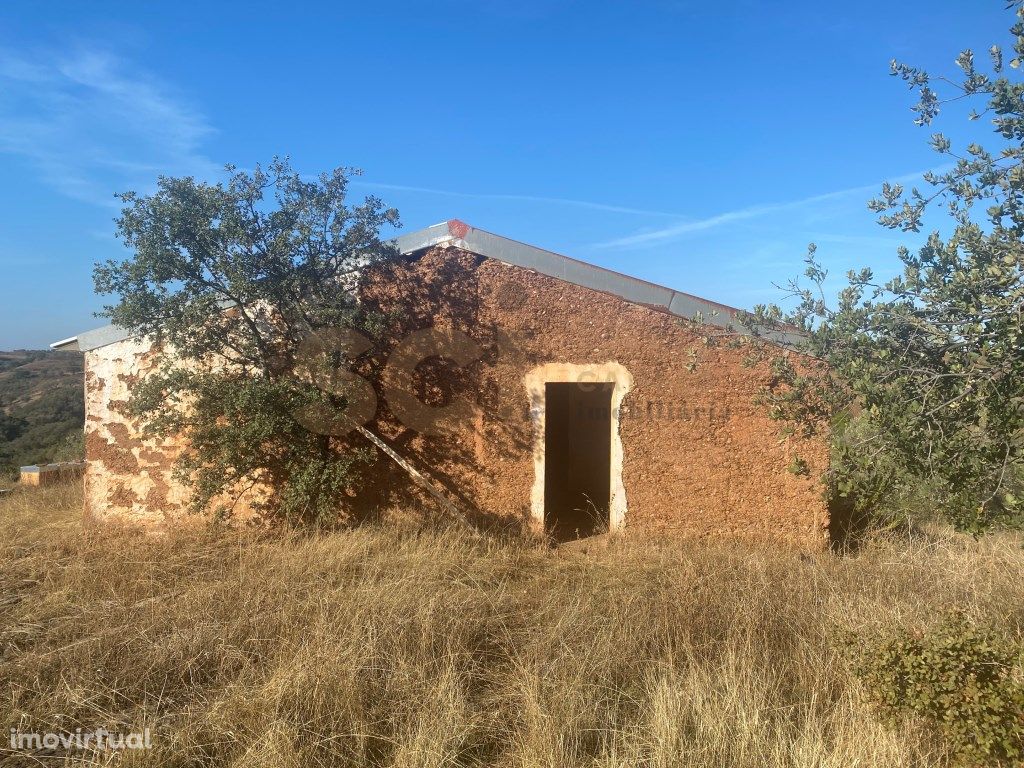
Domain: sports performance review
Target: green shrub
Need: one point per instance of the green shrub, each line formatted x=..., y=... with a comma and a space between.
x=960, y=679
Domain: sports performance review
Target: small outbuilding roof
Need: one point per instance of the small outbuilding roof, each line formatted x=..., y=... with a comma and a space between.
x=461, y=235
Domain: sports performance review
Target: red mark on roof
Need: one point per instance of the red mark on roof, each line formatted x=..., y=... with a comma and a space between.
x=458, y=228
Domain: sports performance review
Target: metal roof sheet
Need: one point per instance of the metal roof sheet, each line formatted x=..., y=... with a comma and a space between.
x=487, y=244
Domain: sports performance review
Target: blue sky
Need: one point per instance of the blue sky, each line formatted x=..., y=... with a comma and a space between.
x=698, y=145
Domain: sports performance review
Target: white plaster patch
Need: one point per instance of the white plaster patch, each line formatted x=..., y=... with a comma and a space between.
x=111, y=373
x=597, y=373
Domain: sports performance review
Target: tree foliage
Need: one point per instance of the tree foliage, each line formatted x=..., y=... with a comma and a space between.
x=961, y=679
x=926, y=382
x=227, y=280
x=11, y=427
x=41, y=409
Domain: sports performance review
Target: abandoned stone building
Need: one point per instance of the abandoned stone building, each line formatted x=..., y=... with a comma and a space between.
x=573, y=399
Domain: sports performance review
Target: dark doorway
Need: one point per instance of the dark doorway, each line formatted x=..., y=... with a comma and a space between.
x=577, y=458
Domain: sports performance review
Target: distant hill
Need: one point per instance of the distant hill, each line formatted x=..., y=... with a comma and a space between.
x=42, y=412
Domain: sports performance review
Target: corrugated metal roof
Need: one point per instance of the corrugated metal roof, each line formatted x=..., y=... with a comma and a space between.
x=489, y=245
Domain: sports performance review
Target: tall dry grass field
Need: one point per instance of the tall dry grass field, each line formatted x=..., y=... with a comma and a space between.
x=411, y=647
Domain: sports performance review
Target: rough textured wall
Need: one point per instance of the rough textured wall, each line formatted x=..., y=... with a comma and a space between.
x=128, y=475
x=699, y=458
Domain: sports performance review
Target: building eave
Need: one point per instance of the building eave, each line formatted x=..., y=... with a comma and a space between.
x=65, y=344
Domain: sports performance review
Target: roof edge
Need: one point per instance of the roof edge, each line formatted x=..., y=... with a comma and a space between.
x=65, y=344
x=459, y=234
x=686, y=306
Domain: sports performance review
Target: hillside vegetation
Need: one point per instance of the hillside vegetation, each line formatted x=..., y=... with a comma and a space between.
x=41, y=408
x=412, y=646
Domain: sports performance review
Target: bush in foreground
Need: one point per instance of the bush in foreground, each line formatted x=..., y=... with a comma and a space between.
x=963, y=679
x=412, y=647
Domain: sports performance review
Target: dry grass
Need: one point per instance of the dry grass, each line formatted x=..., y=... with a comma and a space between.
x=400, y=647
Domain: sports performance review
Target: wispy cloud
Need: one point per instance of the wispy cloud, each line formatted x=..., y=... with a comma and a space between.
x=93, y=124
x=17, y=260
x=608, y=208
x=680, y=229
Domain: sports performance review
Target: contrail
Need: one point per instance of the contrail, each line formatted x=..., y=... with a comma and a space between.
x=752, y=212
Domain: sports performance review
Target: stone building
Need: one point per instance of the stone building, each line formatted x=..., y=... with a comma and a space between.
x=539, y=389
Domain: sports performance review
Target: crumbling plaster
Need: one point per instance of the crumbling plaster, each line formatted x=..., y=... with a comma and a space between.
x=128, y=474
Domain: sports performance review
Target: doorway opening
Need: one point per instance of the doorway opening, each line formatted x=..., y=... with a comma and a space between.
x=577, y=458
